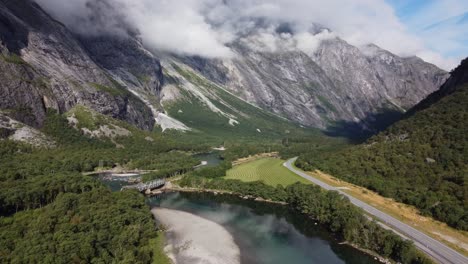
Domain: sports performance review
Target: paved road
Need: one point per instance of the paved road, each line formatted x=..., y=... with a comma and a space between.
x=440, y=252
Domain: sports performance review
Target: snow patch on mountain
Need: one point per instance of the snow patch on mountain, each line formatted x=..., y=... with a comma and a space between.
x=167, y=122
x=233, y=122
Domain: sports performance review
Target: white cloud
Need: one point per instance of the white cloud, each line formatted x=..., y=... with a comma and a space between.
x=308, y=43
x=178, y=27
x=206, y=27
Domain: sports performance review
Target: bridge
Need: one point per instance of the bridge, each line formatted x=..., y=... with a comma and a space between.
x=147, y=185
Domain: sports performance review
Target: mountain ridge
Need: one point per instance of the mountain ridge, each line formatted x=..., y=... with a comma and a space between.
x=116, y=75
x=324, y=87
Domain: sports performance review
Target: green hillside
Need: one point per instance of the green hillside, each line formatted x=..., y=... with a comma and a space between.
x=252, y=122
x=421, y=160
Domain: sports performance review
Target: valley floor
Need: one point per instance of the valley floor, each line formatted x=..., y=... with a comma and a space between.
x=268, y=170
x=272, y=172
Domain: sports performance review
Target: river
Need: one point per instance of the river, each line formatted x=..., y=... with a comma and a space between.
x=261, y=232
x=264, y=233
x=212, y=158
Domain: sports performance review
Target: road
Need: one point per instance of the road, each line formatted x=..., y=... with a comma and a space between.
x=437, y=250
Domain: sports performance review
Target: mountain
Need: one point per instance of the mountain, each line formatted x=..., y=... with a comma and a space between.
x=459, y=76
x=420, y=160
x=335, y=83
x=44, y=66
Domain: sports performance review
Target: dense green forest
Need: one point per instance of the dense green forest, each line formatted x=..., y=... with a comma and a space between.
x=329, y=209
x=93, y=226
x=421, y=160
x=51, y=212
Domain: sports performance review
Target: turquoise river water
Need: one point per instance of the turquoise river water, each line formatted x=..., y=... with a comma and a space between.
x=265, y=233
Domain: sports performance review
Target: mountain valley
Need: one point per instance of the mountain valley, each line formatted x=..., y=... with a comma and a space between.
x=90, y=105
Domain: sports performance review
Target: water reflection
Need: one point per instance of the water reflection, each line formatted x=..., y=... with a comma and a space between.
x=265, y=233
x=212, y=159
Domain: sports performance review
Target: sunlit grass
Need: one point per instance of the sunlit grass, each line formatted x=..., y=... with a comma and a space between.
x=268, y=170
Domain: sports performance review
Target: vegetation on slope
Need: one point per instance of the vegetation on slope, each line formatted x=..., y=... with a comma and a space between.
x=196, y=114
x=421, y=160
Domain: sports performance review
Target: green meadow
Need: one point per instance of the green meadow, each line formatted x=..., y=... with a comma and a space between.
x=268, y=170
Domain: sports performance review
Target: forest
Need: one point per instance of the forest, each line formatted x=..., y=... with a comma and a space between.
x=51, y=212
x=94, y=226
x=421, y=160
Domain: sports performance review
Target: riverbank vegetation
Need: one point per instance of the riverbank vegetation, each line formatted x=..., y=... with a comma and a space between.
x=327, y=208
x=94, y=226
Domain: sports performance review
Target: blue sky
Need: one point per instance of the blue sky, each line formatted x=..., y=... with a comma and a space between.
x=442, y=25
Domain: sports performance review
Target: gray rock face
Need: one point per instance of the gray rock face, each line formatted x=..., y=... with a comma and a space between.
x=127, y=60
x=43, y=66
x=403, y=81
x=338, y=82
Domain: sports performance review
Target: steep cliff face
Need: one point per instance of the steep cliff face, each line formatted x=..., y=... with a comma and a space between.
x=336, y=83
x=43, y=66
x=405, y=80
x=288, y=84
x=127, y=61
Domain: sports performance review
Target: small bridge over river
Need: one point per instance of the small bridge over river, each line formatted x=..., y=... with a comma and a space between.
x=147, y=185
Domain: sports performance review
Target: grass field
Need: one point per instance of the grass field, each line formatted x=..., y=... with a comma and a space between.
x=268, y=170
